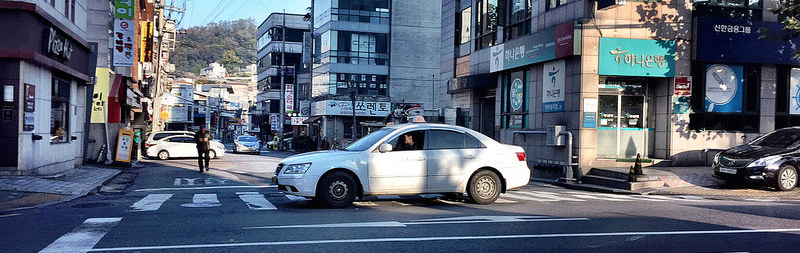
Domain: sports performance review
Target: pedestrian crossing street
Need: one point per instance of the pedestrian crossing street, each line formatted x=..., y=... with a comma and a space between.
x=258, y=201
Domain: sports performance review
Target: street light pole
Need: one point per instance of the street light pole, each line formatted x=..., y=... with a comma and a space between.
x=283, y=80
x=353, y=95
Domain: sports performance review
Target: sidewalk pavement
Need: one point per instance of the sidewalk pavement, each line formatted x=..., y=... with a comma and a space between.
x=18, y=192
x=694, y=181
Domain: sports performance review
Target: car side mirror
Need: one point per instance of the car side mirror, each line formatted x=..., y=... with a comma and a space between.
x=385, y=147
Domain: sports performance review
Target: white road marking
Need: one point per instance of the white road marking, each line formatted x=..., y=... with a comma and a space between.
x=453, y=220
x=595, y=197
x=691, y=198
x=151, y=202
x=520, y=197
x=256, y=201
x=446, y=238
x=660, y=197
x=10, y=215
x=295, y=198
x=84, y=237
x=549, y=195
x=177, y=182
x=203, y=200
x=207, y=188
x=615, y=196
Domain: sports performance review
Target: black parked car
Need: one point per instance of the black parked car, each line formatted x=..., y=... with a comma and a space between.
x=771, y=160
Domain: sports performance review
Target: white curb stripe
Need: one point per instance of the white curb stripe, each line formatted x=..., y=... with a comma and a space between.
x=256, y=201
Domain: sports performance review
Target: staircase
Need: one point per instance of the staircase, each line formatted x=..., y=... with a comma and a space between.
x=617, y=177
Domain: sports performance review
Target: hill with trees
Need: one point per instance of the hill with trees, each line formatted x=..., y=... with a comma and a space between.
x=232, y=43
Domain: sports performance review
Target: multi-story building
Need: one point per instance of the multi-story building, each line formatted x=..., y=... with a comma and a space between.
x=667, y=80
x=46, y=71
x=271, y=45
x=371, y=56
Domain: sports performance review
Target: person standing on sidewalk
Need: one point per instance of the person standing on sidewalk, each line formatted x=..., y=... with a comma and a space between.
x=203, y=139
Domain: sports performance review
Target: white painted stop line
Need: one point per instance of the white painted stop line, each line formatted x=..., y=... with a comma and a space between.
x=256, y=201
x=84, y=237
x=151, y=202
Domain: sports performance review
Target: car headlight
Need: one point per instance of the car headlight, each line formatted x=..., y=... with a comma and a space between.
x=763, y=162
x=296, y=168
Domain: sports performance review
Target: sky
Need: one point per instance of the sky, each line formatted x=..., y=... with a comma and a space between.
x=201, y=12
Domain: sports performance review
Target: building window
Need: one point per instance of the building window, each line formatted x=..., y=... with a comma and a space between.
x=552, y=4
x=738, y=9
x=787, y=97
x=353, y=48
x=59, y=111
x=72, y=11
x=725, y=97
x=486, y=24
x=364, y=11
x=361, y=84
x=515, y=102
x=519, y=19
x=464, y=26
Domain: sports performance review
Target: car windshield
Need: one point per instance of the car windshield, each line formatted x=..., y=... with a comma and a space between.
x=369, y=140
x=779, y=139
x=247, y=139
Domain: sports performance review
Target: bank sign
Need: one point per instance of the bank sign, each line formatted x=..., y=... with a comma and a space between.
x=635, y=57
x=553, y=86
x=741, y=41
x=552, y=43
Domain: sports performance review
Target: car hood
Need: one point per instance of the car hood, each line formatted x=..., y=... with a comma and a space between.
x=316, y=156
x=753, y=152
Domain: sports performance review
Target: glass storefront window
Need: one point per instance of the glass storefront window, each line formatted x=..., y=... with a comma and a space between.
x=515, y=102
x=725, y=97
x=59, y=111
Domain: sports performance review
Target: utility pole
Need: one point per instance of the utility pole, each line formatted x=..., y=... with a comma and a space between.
x=283, y=80
x=353, y=94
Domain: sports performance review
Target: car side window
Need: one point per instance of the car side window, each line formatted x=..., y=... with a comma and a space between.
x=160, y=136
x=472, y=142
x=188, y=140
x=176, y=139
x=442, y=139
x=414, y=140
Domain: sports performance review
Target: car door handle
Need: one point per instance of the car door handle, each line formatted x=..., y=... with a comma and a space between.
x=469, y=157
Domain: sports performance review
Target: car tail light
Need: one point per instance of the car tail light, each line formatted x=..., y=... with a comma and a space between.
x=521, y=156
x=147, y=145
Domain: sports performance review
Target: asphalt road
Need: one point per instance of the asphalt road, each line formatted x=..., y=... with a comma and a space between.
x=171, y=207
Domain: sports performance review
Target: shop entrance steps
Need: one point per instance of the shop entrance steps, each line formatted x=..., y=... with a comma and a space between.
x=617, y=177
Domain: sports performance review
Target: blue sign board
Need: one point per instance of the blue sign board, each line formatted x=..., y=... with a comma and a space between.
x=635, y=57
x=742, y=41
x=724, y=88
x=590, y=119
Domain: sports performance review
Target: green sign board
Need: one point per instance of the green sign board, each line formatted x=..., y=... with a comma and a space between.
x=635, y=57
x=516, y=94
x=123, y=9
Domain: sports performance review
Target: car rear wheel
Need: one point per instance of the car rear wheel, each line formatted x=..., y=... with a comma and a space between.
x=212, y=154
x=787, y=178
x=336, y=190
x=484, y=187
x=163, y=155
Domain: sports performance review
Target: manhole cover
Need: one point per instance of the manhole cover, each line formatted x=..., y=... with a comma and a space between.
x=91, y=205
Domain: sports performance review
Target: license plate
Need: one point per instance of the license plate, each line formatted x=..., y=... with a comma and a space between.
x=727, y=170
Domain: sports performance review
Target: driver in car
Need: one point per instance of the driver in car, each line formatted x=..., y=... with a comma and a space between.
x=407, y=143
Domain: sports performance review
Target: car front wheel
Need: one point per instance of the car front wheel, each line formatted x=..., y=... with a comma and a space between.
x=787, y=178
x=484, y=187
x=336, y=190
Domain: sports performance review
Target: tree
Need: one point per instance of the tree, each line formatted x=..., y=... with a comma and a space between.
x=789, y=13
x=232, y=43
x=230, y=60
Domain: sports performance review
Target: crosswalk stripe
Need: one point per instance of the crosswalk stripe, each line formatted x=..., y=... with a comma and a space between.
x=548, y=195
x=203, y=200
x=151, y=202
x=595, y=197
x=256, y=201
x=84, y=237
x=520, y=197
x=665, y=198
x=295, y=198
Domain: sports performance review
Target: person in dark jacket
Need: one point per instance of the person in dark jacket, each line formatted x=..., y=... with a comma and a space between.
x=203, y=139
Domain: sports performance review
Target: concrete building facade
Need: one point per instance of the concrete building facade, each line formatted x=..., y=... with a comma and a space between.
x=625, y=79
x=371, y=57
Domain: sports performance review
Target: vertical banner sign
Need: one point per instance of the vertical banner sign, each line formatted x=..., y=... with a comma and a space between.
x=794, y=92
x=516, y=99
x=123, y=43
x=124, y=144
x=146, y=42
x=123, y=9
x=30, y=97
x=724, y=88
x=553, y=86
x=683, y=86
x=289, y=99
x=100, y=96
x=273, y=121
x=590, y=112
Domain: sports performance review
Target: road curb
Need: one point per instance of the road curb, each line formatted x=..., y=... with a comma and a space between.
x=586, y=187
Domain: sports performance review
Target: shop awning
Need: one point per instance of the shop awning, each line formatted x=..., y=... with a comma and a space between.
x=116, y=85
x=312, y=119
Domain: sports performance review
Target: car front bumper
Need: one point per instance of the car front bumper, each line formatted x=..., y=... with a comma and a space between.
x=754, y=175
x=299, y=185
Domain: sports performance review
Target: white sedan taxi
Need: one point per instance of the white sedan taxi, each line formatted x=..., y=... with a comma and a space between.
x=181, y=146
x=407, y=159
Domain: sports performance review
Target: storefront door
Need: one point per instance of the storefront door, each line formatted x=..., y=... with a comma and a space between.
x=622, y=131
